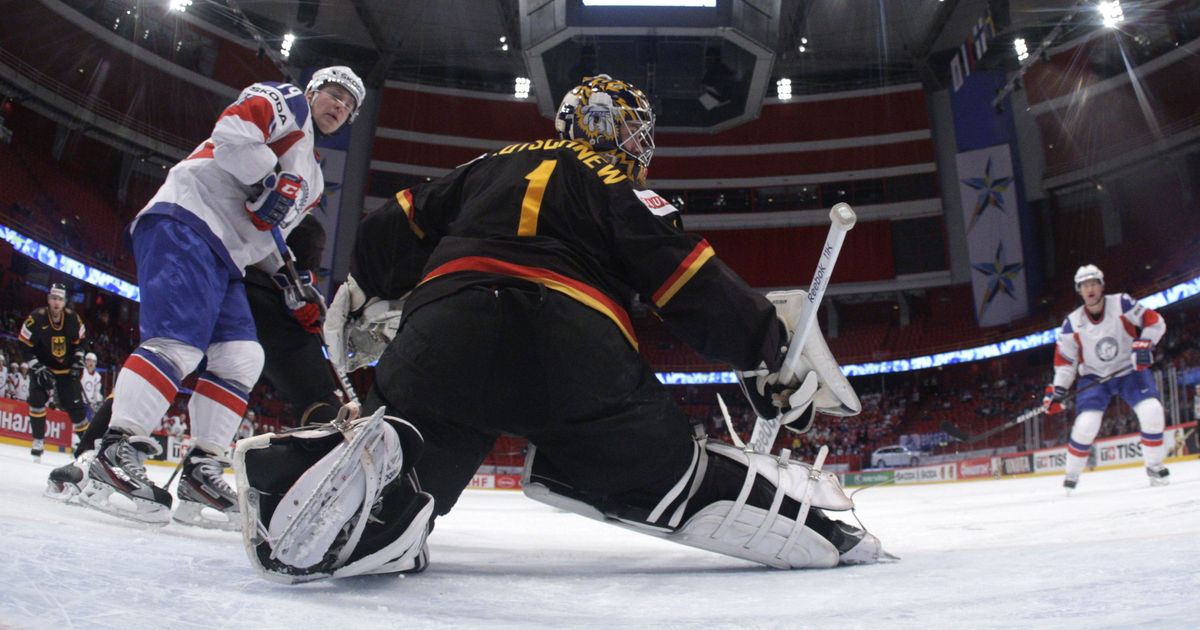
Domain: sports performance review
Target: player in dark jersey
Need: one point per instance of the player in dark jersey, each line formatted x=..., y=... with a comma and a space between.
x=523, y=265
x=52, y=341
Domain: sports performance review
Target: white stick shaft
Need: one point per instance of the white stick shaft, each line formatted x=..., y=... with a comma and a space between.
x=843, y=220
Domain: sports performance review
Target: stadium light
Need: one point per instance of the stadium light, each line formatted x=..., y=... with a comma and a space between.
x=179, y=5
x=1111, y=13
x=285, y=48
x=783, y=88
x=1022, y=48
x=521, y=87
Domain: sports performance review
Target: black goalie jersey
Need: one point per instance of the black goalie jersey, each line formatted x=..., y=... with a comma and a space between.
x=54, y=345
x=554, y=212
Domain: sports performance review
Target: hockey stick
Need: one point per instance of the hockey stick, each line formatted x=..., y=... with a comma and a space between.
x=842, y=220
x=343, y=382
x=1028, y=414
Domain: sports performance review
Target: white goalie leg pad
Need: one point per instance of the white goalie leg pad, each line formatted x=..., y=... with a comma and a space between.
x=729, y=527
x=308, y=524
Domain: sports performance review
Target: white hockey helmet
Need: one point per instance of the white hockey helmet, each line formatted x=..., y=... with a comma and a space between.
x=1088, y=272
x=91, y=356
x=345, y=77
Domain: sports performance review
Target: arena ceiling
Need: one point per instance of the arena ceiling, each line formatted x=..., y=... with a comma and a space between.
x=820, y=45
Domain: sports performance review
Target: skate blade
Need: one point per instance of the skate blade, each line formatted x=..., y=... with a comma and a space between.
x=62, y=492
x=197, y=515
x=97, y=495
x=1156, y=483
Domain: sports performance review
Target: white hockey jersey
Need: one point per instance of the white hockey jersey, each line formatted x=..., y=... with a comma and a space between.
x=1100, y=348
x=93, y=393
x=268, y=127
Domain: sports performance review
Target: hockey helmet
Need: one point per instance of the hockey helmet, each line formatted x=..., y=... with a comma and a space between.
x=91, y=356
x=1088, y=272
x=614, y=117
x=345, y=77
x=58, y=290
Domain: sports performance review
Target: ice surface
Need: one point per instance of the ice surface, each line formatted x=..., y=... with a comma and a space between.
x=1015, y=553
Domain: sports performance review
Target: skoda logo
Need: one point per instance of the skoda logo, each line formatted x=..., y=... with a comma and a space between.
x=1106, y=349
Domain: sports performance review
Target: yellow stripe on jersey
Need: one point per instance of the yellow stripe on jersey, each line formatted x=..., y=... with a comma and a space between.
x=684, y=272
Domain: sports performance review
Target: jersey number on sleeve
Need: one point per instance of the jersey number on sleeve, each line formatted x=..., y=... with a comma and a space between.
x=531, y=205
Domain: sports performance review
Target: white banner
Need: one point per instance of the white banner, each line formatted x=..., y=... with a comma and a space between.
x=992, y=219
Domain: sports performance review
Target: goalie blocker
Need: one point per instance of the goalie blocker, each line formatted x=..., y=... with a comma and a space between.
x=333, y=500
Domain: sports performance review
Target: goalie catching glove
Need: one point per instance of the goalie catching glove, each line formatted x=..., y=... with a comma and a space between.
x=333, y=500
x=817, y=385
x=358, y=329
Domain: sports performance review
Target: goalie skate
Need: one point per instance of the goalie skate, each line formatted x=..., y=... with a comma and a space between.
x=66, y=481
x=117, y=483
x=205, y=499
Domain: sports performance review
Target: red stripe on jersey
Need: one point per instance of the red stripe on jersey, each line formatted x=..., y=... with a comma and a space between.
x=221, y=396
x=205, y=151
x=405, y=199
x=151, y=374
x=1130, y=329
x=256, y=110
x=282, y=145
x=684, y=272
x=1078, y=348
x=1150, y=317
x=580, y=292
x=1060, y=360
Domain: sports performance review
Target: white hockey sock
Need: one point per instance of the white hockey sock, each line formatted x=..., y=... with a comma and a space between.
x=143, y=392
x=216, y=410
x=1152, y=419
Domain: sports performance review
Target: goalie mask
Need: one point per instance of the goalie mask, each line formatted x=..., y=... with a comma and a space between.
x=615, y=118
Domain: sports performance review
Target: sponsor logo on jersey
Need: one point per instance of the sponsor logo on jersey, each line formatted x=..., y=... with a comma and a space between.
x=1106, y=349
x=655, y=202
x=277, y=100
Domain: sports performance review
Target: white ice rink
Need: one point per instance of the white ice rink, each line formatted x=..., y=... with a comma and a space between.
x=1016, y=553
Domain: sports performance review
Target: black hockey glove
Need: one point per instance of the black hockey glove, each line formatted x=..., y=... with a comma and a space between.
x=40, y=375
x=77, y=365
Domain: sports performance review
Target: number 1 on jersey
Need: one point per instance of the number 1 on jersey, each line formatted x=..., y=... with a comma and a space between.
x=531, y=205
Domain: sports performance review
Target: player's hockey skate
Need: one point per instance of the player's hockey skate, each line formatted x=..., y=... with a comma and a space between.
x=66, y=481
x=1159, y=475
x=1069, y=484
x=37, y=449
x=119, y=472
x=205, y=499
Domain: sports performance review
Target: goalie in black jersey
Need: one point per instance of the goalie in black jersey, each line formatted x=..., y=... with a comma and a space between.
x=518, y=271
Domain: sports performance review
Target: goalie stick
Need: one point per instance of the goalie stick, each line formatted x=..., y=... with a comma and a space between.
x=842, y=220
x=1028, y=414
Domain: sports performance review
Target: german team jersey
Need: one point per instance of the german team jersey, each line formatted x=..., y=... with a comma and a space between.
x=556, y=213
x=54, y=345
x=1102, y=346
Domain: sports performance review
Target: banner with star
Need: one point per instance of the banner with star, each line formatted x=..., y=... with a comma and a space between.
x=992, y=219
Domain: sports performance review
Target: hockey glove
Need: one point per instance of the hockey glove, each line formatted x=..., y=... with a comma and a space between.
x=40, y=375
x=277, y=200
x=1052, y=403
x=1142, y=356
x=77, y=365
x=304, y=301
x=789, y=401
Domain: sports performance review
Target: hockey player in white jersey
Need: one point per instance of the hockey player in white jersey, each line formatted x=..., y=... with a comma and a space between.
x=1109, y=336
x=90, y=382
x=221, y=209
